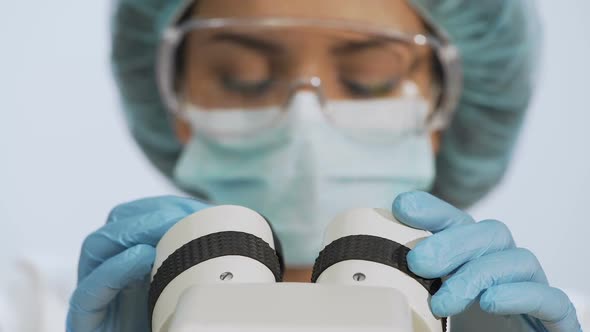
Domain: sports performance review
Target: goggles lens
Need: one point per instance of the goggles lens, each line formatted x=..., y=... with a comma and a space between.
x=233, y=69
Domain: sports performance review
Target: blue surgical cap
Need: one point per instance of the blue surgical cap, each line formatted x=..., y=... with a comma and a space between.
x=498, y=42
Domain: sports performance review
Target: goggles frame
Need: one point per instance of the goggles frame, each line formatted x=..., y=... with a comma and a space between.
x=446, y=54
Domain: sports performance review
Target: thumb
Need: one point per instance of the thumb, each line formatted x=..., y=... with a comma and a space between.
x=424, y=211
x=91, y=300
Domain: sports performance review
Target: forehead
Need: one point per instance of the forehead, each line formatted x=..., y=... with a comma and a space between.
x=396, y=14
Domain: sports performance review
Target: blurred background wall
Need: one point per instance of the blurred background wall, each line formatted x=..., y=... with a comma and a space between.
x=66, y=158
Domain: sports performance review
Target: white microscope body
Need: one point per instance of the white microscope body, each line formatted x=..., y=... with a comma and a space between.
x=217, y=270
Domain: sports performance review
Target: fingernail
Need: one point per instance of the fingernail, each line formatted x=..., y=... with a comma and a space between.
x=419, y=264
x=406, y=202
x=439, y=305
x=487, y=303
x=415, y=258
x=412, y=259
x=422, y=252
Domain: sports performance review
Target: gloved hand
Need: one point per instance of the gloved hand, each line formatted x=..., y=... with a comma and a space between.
x=115, y=262
x=484, y=265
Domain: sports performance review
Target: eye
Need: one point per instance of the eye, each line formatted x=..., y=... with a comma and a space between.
x=370, y=90
x=252, y=88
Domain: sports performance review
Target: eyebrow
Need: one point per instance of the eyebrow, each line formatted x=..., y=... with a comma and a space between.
x=272, y=48
x=248, y=42
x=357, y=46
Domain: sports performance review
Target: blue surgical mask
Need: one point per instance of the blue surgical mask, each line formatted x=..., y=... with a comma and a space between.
x=304, y=172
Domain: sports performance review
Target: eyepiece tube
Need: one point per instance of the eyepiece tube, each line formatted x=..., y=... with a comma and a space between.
x=222, y=244
x=368, y=247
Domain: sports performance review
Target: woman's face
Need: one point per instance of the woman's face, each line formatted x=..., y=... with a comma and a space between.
x=238, y=68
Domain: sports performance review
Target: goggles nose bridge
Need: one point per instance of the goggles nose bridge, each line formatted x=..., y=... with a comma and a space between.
x=313, y=84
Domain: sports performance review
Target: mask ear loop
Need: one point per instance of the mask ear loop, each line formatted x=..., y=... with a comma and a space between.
x=410, y=91
x=185, y=107
x=435, y=121
x=428, y=122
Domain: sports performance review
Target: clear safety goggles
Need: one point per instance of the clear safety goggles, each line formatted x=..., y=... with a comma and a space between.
x=245, y=72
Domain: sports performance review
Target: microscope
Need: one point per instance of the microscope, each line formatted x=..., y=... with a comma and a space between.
x=220, y=269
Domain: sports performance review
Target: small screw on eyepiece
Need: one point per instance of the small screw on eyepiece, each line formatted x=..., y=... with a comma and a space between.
x=226, y=276
x=359, y=277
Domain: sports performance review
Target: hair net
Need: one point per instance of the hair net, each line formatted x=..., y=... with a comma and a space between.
x=498, y=43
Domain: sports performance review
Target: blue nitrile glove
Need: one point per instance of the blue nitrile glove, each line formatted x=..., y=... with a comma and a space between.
x=485, y=266
x=115, y=262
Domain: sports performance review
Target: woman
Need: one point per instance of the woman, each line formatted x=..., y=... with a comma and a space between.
x=303, y=109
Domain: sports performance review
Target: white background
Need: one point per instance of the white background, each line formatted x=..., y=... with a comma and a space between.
x=66, y=157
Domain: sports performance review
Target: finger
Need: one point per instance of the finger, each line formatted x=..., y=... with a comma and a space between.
x=91, y=299
x=509, y=266
x=139, y=222
x=442, y=253
x=550, y=305
x=152, y=204
x=422, y=210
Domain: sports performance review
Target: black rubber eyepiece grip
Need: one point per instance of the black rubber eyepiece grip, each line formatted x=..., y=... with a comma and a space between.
x=373, y=249
x=208, y=247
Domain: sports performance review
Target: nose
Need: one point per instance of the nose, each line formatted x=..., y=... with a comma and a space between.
x=305, y=105
x=311, y=84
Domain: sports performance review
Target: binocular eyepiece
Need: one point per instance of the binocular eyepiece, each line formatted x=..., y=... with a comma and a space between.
x=221, y=269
